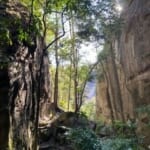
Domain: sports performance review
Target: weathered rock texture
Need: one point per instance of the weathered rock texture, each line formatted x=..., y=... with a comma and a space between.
x=24, y=77
x=133, y=67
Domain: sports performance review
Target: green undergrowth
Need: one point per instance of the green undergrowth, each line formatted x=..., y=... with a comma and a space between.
x=120, y=144
x=77, y=132
x=86, y=139
x=145, y=110
x=119, y=136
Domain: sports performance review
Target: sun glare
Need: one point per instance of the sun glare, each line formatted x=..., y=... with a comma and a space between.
x=118, y=8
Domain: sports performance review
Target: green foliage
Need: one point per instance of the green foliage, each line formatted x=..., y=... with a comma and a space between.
x=112, y=28
x=125, y=129
x=118, y=123
x=123, y=138
x=22, y=36
x=145, y=110
x=105, y=53
x=83, y=115
x=119, y=144
x=89, y=110
x=63, y=104
x=27, y=35
x=4, y=64
x=84, y=139
x=17, y=30
x=5, y=37
x=102, y=58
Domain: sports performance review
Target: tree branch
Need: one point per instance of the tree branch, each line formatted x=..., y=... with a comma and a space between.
x=82, y=92
x=63, y=28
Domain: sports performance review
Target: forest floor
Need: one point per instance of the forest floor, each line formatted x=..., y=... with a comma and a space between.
x=55, y=134
x=52, y=133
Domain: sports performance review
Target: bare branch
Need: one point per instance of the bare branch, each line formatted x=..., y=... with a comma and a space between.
x=84, y=84
x=63, y=28
x=60, y=36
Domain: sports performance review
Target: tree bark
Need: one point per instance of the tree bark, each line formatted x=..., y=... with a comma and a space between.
x=75, y=64
x=69, y=87
x=56, y=88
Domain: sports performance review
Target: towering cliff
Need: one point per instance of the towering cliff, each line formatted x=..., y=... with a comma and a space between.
x=132, y=59
x=24, y=76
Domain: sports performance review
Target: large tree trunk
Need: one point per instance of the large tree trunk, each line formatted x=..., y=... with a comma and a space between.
x=22, y=78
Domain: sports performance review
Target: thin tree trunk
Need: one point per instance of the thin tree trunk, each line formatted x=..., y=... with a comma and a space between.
x=75, y=81
x=84, y=84
x=69, y=87
x=57, y=67
x=75, y=64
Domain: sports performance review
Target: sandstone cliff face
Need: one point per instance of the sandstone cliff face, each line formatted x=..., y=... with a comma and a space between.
x=24, y=77
x=135, y=50
x=133, y=65
x=135, y=56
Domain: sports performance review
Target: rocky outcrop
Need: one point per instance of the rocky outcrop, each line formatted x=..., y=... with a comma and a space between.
x=133, y=66
x=24, y=76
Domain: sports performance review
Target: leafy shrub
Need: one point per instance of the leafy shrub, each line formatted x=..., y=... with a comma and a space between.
x=84, y=139
x=119, y=144
x=145, y=110
x=125, y=129
x=88, y=109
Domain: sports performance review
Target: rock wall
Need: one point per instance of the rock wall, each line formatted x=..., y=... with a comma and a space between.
x=133, y=67
x=24, y=75
x=135, y=50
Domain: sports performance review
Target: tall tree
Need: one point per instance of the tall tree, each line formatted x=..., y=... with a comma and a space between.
x=75, y=63
x=56, y=88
